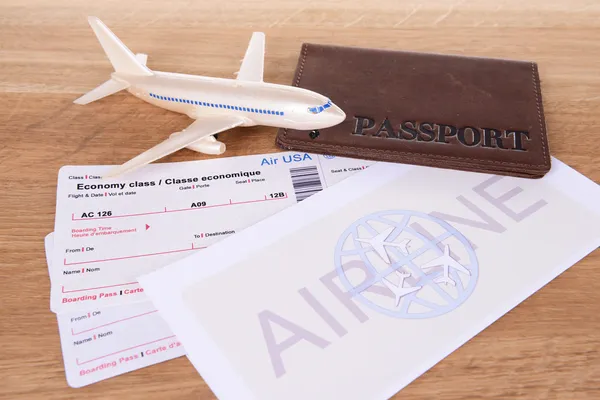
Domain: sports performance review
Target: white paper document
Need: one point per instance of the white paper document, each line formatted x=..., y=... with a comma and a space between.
x=107, y=326
x=109, y=231
x=358, y=290
x=101, y=343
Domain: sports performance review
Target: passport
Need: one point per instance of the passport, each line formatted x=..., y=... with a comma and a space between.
x=446, y=111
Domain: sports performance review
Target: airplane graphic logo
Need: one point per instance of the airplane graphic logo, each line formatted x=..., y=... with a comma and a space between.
x=400, y=291
x=406, y=264
x=446, y=261
x=378, y=243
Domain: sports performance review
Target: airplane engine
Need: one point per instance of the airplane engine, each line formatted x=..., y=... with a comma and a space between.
x=207, y=145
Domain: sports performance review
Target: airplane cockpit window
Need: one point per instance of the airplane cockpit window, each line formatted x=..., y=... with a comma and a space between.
x=316, y=110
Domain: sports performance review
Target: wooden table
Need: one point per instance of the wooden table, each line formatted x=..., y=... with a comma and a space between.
x=546, y=348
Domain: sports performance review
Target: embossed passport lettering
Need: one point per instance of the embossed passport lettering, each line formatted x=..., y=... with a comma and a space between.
x=474, y=114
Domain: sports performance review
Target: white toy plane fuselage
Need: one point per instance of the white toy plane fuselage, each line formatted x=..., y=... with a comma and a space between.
x=217, y=104
x=278, y=105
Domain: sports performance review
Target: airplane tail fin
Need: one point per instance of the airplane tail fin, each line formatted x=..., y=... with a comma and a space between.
x=122, y=59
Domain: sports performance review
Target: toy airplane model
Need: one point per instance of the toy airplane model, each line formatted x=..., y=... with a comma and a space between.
x=216, y=104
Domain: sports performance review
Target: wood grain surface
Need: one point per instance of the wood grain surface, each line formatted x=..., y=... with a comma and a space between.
x=546, y=348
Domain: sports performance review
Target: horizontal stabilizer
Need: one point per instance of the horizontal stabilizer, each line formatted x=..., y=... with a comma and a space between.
x=142, y=58
x=109, y=87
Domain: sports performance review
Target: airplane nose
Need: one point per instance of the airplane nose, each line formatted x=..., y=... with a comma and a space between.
x=339, y=114
x=325, y=117
x=334, y=115
x=331, y=117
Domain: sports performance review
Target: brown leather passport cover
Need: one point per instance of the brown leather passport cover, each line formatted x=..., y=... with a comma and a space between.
x=474, y=114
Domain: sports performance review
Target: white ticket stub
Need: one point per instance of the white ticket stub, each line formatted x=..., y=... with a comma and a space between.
x=101, y=343
x=109, y=231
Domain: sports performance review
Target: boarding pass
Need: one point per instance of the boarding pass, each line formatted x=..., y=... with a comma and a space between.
x=109, y=231
x=100, y=343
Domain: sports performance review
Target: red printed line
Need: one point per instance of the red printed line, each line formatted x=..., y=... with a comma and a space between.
x=231, y=203
x=199, y=208
x=260, y=201
x=136, y=256
x=96, y=288
x=115, y=216
x=120, y=351
x=111, y=323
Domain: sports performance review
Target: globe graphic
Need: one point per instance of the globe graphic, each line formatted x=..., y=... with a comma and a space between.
x=406, y=264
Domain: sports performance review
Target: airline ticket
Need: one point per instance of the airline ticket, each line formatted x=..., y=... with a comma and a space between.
x=100, y=343
x=109, y=231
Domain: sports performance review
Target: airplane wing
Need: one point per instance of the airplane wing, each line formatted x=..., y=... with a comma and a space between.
x=253, y=63
x=393, y=288
x=436, y=262
x=380, y=237
x=202, y=127
x=456, y=265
